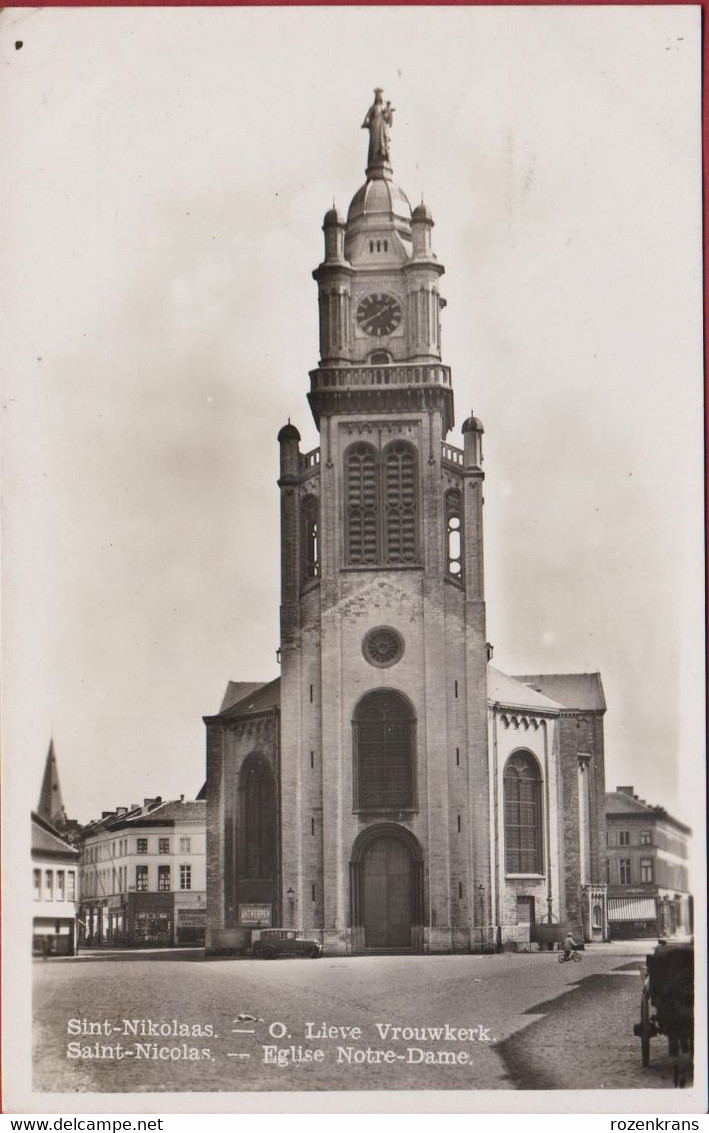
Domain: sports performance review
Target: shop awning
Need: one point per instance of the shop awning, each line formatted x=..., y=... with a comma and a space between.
x=631, y=909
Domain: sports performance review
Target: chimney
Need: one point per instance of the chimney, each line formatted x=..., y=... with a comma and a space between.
x=182, y=798
x=625, y=791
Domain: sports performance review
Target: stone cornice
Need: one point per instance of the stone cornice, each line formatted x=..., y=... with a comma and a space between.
x=514, y=717
x=345, y=400
x=260, y=717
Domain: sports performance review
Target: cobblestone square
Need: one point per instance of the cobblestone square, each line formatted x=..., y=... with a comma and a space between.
x=175, y=1021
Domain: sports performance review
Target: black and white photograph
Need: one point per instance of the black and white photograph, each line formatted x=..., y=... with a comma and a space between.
x=353, y=559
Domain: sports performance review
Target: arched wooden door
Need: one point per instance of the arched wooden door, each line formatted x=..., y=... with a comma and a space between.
x=387, y=894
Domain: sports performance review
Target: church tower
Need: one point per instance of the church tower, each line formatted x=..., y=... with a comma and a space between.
x=385, y=834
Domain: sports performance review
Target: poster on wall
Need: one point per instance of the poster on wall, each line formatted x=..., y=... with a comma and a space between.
x=353, y=558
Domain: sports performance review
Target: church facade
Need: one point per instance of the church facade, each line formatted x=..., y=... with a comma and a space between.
x=392, y=791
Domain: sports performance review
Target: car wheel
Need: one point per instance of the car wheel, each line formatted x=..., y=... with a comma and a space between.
x=314, y=953
x=268, y=952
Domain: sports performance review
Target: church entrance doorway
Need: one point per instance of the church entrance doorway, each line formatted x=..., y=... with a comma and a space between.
x=387, y=894
x=387, y=890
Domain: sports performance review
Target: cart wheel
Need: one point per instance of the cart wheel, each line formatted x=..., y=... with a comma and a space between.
x=673, y=1046
x=560, y=957
x=576, y=957
x=645, y=1028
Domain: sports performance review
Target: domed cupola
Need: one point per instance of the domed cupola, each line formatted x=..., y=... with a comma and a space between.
x=378, y=222
x=378, y=201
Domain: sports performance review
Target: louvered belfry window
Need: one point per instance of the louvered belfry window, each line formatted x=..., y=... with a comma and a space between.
x=523, y=814
x=400, y=503
x=382, y=521
x=384, y=752
x=362, y=506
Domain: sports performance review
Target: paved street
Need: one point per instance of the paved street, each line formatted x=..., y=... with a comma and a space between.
x=170, y=1021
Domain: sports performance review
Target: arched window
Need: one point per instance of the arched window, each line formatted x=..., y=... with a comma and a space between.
x=310, y=539
x=362, y=489
x=382, y=505
x=256, y=831
x=400, y=503
x=454, y=536
x=380, y=358
x=384, y=755
x=523, y=814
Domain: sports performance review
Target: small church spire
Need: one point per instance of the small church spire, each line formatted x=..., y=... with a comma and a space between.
x=51, y=804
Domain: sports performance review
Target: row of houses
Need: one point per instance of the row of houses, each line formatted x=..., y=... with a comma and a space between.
x=143, y=875
x=647, y=852
x=136, y=877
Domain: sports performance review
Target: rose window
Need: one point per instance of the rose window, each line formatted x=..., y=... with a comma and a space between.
x=383, y=646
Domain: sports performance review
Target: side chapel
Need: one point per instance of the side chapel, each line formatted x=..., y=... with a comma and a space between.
x=392, y=791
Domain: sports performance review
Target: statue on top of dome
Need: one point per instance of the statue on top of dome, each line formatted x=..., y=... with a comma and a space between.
x=378, y=120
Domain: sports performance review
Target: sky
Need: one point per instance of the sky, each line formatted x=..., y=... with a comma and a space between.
x=168, y=175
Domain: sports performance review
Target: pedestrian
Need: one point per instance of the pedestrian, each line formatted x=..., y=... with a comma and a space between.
x=569, y=945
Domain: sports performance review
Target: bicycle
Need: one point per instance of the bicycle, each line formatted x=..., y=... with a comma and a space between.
x=575, y=958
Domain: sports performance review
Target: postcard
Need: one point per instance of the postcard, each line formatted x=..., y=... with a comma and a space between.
x=353, y=559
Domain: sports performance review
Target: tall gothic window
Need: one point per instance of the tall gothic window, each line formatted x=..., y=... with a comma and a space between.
x=382, y=505
x=454, y=536
x=400, y=503
x=310, y=539
x=256, y=820
x=523, y=814
x=384, y=751
x=362, y=505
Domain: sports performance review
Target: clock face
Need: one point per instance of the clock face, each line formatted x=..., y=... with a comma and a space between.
x=379, y=314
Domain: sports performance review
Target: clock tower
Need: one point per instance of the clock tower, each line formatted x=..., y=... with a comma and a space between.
x=385, y=834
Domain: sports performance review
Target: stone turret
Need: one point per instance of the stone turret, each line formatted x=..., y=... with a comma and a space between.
x=472, y=431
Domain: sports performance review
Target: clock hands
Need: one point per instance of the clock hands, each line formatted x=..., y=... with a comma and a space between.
x=372, y=322
x=379, y=314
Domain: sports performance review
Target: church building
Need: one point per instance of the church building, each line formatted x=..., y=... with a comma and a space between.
x=392, y=791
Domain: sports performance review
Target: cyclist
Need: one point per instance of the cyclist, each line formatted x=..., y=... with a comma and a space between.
x=569, y=945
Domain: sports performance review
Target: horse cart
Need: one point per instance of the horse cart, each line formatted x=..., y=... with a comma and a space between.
x=667, y=1001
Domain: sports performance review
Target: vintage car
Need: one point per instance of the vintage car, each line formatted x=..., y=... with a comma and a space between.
x=667, y=1000
x=274, y=942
